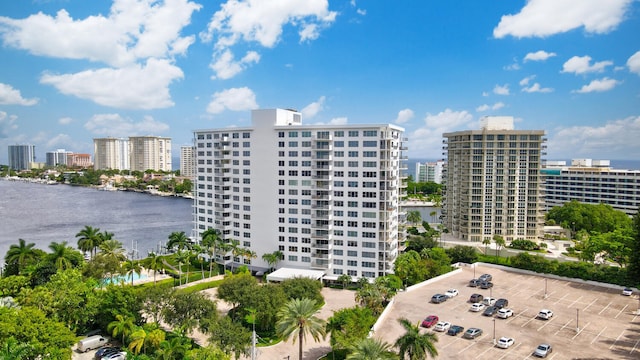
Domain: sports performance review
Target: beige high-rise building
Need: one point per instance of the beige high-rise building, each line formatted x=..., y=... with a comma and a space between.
x=111, y=153
x=493, y=183
x=150, y=153
x=187, y=161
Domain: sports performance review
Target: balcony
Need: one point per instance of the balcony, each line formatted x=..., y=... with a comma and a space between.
x=320, y=264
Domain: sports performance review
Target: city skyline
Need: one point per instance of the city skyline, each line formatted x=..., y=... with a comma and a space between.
x=166, y=68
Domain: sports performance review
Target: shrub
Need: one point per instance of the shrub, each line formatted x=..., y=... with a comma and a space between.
x=523, y=244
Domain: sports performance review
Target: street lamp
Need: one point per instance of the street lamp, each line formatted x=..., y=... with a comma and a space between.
x=545, y=288
x=577, y=317
x=494, y=331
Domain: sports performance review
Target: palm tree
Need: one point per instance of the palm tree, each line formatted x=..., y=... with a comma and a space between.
x=121, y=326
x=210, y=240
x=13, y=350
x=138, y=340
x=61, y=255
x=236, y=250
x=486, y=243
x=21, y=254
x=414, y=344
x=371, y=349
x=155, y=337
x=182, y=257
x=225, y=247
x=414, y=217
x=299, y=317
x=112, y=249
x=88, y=239
x=499, y=240
x=272, y=258
x=131, y=267
x=172, y=349
x=178, y=240
x=249, y=255
x=154, y=263
x=433, y=216
x=198, y=251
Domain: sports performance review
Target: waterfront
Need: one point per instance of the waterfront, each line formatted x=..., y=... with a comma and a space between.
x=42, y=214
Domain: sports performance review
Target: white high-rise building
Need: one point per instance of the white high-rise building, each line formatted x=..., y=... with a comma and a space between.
x=430, y=171
x=111, y=153
x=493, y=183
x=187, y=161
x=326, y=196
x=150, y=153
x=58, y=157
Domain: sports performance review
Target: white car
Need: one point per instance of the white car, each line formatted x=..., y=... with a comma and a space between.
x=545, y=314
x=442, y=326
x=505, y=342
x=451, y=293
x=505, y=313
x=627, y=292
x=489, y=301
x=477, y=307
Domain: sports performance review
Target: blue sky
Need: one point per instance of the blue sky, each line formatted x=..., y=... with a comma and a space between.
x=73, y=70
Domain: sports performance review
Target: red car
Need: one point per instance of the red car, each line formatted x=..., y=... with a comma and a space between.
x=430, y=321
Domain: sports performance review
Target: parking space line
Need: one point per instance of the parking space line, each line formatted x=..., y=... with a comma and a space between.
x=580, y=330
x=527, y=322
x=482, y=353
x=634, y=347
x=616, y=340
x=594, y=300
x=562, y=298
x=605, y=308
x=545, y=324
x=621, y=311
x=507, y=352
x=563, y=326
x=597, y=336
x=574, y=302
x=465, y=349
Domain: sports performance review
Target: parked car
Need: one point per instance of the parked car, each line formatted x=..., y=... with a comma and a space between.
x=104, y=351
x=476, y=298
x=451, y=293
x=543, y=350
x=476, y=307
x=472, y=333
x=455, y=330
x=442, y=326
x=505, y=342
x=504, y=313
x=438, y=298
x=486, y=285
x=485, y=277
x=627, y=292
x=474, y=283
x=121, y=355
x=545, y=314
x=490, y=311
x=489, y=301
x=429, y=321
x=501, y=303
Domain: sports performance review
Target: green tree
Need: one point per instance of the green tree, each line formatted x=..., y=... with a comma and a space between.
x=266, y=300
x=235, y=289
x=122, y=325
x=89, y=239
x=486, y=242
x=210, y=240
x=185, y=309
x=13, y=350
x=371, y=349
x=416, y=345
x=272, y=258
x=131, y=267
x=138, y=340
x=345, y=279
x=231, y=337
x=63, y=256
x=178, y=240
x=462, y=253
x=499, y=241
x=349, y=325
x=410, y=267
x=210, y=352
x=173, y=349
x=182, y=257
x=154, y=300
x=414, y=217
x=633, y=270
x=21, y=254
x=303, y=287
x=371, y=297
x=154, y=263
x=298, y=317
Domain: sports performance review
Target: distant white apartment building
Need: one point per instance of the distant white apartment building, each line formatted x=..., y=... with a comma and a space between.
x=21, y=157
x=493, y=183
x=591, y=182
x=58, y=157
x=326, y=196
x=430, y=171
x=150, y=153
x=111, y=153
x=187, y=161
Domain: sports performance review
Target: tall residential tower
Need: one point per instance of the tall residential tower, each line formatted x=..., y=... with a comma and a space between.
x=21, y=156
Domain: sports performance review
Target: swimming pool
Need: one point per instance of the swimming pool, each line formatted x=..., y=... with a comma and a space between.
x=125, y=278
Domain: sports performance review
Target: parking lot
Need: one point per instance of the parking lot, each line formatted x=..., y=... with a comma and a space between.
x=589, y=322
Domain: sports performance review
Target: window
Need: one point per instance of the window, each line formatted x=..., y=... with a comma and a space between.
x=353, y=133
x=353, y=143
x=369, y=143
x=369, y=133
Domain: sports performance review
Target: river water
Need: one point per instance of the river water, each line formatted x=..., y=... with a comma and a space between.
x=41, y=214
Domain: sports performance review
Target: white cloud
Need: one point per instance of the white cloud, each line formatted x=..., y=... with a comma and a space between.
x=7, y=123
x=234, y=99
x=339, y=121
x=362, y=12
x=11, y=96
x=404, y=116
x=600, y=85
x=426, y=141
x=541, y=18
x=133, y=30
x=486, y=107
x=634, y=63
x=614, y=139
x=513, y=66
x=134, y=87
x=65, y=121
x=580, y=65
x=115, y=125
x=539, y=55
x=501, y=89
x=536, y=88
x=226, y=67
x=313, y=109
x=526, y=80
x=59, y=141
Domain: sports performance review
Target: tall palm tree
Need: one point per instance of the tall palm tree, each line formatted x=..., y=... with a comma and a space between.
x=88, y=239
x=210, y=240
x=131, y=267
x=154, y=263
x=138, y=340
x=236, y=250
x=414, y=344
x=298, y=317
x=225, y=247
x=113, y=249
x=61, y=255
x=486, y=243
x=21, y=254
x=249, y=255
x=121, y=326
x=178, y=240
x=182, y=257
x=172, y=349
x=272, y=258
x=198, y=250
x=13, y=350
x=500, y=242
x=371, y=349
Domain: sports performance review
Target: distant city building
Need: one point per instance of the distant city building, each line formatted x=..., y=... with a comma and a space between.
x=326, y=196
x=430, y=171
x=22, y=157
x=79, y=160
x=591, y=182
x=493, y=184
x=111, y=153
x=150, y=153
x=58, y=157
x=187, y=161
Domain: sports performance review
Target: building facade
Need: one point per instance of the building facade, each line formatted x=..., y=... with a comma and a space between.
x=58, y=157
x=493, y=182
x=150, y=153
x=21, y=157
x=187, y=161
x=111, y=153
x=325, y=196
x=591, y=182
x=430, y=171
x=75, y=160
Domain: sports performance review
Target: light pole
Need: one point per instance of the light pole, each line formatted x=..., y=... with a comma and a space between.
x=494, y=331
x=577, y=317
x=545, y=288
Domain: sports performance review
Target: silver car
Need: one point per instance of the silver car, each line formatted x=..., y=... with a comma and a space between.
x=543, y=350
